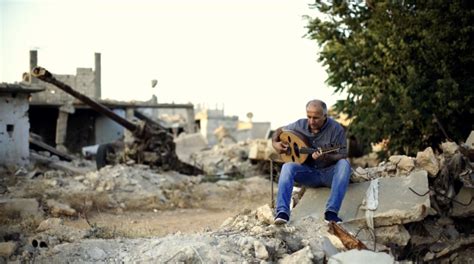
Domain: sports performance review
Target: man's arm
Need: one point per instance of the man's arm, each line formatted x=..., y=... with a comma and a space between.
x=340, y=138
x=279, y=146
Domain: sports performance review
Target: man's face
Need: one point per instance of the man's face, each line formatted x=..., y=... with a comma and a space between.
x=316, y=118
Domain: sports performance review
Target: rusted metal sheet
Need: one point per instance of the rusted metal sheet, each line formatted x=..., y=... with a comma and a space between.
x=348, y=240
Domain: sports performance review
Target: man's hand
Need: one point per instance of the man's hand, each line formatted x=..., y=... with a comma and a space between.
x=316, y=155
x=280, y=147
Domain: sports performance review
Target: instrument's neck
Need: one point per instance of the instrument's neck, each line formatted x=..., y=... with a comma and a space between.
x=322, y=150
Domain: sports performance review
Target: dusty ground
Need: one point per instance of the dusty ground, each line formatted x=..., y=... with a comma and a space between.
x=162, y=223
x=150, y=224
x=135, y=202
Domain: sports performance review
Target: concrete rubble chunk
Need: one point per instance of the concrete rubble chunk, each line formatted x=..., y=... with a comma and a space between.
x=427, y=160
x=265, y=214
x=49, y=224
x=464, y=196
x=260, y=250
x=329, y=248
x=7, y=248
x=302, y=256
x=361, y=256
x=396, y=234
x=404, y=163
x=449, y=148
x=261, y=149
x=59, y=209
x=360, y=175
x=187, y=144
x=470, y=140
x=397, y=203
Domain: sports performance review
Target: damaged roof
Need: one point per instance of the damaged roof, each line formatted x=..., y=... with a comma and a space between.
x=17, y=88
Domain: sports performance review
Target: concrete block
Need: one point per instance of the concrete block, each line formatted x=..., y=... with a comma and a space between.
x=464, y=196
x=361, y=256
x=397, y=204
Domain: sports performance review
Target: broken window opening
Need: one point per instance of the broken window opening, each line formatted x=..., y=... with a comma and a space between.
x=10, y=129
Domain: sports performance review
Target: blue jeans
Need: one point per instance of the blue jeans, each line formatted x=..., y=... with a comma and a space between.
x=336, y=176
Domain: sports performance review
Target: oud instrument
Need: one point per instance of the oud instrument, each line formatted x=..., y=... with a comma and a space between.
x=299, y=148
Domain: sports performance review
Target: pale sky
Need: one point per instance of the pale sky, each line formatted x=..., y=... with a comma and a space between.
x=240, y=55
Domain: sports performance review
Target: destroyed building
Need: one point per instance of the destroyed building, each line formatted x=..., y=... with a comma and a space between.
x=14, y=124
x=69, y=124
x=408, y=209
x=214, y=125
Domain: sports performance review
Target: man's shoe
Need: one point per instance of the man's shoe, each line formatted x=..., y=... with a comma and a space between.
x=331, y=217
x=281, y=218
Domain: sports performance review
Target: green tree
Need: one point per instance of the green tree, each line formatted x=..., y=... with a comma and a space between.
x=403, y=65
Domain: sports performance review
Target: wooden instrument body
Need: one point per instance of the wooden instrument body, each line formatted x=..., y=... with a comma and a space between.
x=299, y=148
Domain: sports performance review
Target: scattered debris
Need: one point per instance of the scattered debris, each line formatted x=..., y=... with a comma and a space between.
x=418, y=214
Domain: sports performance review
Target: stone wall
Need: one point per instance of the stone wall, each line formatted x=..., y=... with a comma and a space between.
x=83, y=82
x=14, y=129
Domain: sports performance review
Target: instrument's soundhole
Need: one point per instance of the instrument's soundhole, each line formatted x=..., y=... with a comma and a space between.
x=289, y=139
x=296, y=149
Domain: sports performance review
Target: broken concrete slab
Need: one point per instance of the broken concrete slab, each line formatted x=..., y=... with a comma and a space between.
x=302, y=256
x=465, y=197
x=59, y=165
x=396, y=234
x=361, y=256
x=397, y=203
x=187, y=144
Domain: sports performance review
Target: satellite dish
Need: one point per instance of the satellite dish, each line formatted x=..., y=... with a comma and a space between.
x=154, y=82
x=249, y=115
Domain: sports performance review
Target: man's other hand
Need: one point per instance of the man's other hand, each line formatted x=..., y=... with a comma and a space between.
x=280, y=147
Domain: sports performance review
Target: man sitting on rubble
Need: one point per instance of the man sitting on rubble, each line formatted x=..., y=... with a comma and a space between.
x=329, y=169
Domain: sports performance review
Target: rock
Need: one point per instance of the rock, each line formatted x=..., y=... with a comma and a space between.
x=303, y=256
x=187, y=144
x=7, y=249
x=260, y=250
x=404, y=163
x=58, y=209
x=96, y=253
x=49, y=224
x=427, y=160
x=464, y=196
x=360, y=175
x=265, y=214
x=449, y=148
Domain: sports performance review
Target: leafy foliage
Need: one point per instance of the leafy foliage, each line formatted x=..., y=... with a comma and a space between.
x=403, y=65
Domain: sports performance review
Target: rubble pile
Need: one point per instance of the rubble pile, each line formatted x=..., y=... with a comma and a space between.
x=422, y=218
x=226, y=161
x=43, y=199
x=405, y=209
